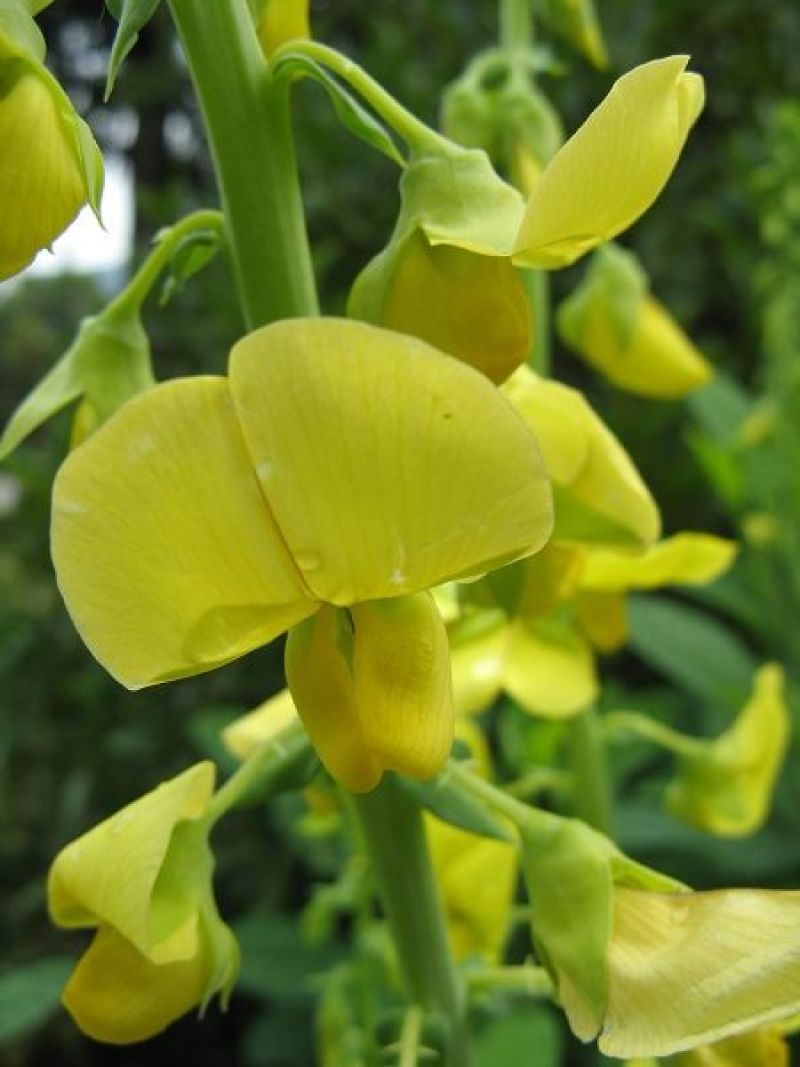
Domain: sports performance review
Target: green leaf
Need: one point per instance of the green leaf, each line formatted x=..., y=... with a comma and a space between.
x=511, y=1040
x=132, y=16
x=30, y=994
x=694, y=650
x=353, y=115
x=448, y=801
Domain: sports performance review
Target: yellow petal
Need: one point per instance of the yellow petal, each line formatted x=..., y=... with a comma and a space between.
x=658, y=361
x=281, y=21
x=165, y=551
x=388, y=466
x=549, y=578
x=550, y=668
x=251, y=731
x=119, y=996
x=602, y=617
x=476, y=878
x=39, y=175
x=764, y=1047
x=110, y=873
x=685, y=559
x=477, y=656
x=470, y=734
x=614, y=167
x=727, y=787
x=693, y=968
x=402, y=683
x=320, y=676
x=470, y=306
x=588, y=464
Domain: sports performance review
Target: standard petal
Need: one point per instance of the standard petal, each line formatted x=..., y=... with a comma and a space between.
x=117, y=995
x=388, y=466
x=401, y=667
x=109, y=874
x=319, y=672
x=685, y=559
x=614, y=166
x=165, y=551
x=550, y=668
x=689, y=969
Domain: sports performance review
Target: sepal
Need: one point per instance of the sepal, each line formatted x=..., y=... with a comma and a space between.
x=107, y=363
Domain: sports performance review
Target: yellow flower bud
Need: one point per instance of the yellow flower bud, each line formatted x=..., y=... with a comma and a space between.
x=50, y=166
x=626, y=335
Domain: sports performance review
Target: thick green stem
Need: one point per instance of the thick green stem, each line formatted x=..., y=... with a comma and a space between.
x=591, y=788
x=247, y=121
x=395, y=838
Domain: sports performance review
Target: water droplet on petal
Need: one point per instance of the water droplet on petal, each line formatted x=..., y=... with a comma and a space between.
x=308, y=561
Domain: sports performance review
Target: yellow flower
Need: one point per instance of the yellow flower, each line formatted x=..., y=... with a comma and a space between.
x=725, y=786
x=626, y=334
x=640, y=961
x=338, y=464
x=446, y=275
x=530, y=628
x=48, y=175
x=143, y=879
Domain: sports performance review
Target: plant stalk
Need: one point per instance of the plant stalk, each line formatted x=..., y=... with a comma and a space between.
x=247, y=123
x=395, y=837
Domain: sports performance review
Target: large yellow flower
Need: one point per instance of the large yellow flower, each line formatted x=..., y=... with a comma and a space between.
x=142, y=878
x=337, y=473
x=50, y=165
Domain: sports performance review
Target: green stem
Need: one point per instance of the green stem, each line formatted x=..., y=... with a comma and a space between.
x=395, y=837
x=516, y=25
x=631, y=722
x=262, y=772
x=591, y=791
x=525, y=980
x=247, y=121
x=138, y=288
x=410, y=1037
x=537, y=283
x=406, y=125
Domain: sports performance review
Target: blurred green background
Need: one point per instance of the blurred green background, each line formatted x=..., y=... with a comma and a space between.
x=722, y=246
